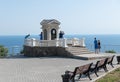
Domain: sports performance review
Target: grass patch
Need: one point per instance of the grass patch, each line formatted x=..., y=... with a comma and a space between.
x=113, y=76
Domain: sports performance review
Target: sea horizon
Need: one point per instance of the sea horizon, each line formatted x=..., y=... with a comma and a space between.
x=108, y=41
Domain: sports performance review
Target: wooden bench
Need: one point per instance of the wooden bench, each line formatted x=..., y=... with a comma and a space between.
x=99, y=65
x=102, y=64
x=118, y=59
x=94, y=68
x=110, y=60
x=81, y=70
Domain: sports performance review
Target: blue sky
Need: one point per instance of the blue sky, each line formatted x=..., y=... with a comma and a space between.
x=20, y=17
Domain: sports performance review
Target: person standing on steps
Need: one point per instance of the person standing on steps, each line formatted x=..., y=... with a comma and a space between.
x=96, y=46
x=99, y=46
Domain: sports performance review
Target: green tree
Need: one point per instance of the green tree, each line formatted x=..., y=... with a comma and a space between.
x=3, y=51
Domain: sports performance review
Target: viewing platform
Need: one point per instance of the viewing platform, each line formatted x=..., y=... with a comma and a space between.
x=62, y=47
x=53, y=43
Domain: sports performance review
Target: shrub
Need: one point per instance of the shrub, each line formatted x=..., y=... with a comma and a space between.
x=110, y=51
x=3, y=51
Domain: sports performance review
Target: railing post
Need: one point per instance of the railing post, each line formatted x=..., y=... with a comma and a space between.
x=12, y=51
x=33, y=40
x=73, y=42
x=57, y=43
x=64, y=43
x=83, y=42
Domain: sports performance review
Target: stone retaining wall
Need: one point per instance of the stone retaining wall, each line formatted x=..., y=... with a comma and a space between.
x=45, y=51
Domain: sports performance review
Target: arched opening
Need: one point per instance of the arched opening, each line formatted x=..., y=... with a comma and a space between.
x=53, y=34
x=45, y=34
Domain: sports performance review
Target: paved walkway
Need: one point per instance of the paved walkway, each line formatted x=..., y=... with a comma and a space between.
x=42, y=69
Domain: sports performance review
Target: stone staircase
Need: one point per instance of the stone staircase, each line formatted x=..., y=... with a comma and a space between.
x=78, y=51
x=83, y=53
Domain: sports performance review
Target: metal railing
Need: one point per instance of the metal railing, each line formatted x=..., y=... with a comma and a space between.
x=14, y=50
x=105, y=47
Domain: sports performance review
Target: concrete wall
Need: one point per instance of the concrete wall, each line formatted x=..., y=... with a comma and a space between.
x=45, y=51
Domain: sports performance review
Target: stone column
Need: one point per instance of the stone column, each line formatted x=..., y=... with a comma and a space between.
x=42, y=34
x=57, y=35
x=48, y=34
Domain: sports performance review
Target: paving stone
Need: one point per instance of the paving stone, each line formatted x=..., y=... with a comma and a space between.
x=42, y=69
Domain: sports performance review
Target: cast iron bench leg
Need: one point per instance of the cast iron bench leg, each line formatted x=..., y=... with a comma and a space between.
x=79, y=76
x=89, y=76
x=96, y=73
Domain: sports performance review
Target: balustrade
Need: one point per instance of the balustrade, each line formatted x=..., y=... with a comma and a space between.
x=61, y=42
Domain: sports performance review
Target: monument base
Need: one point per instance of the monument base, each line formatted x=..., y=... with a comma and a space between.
x=45, y=51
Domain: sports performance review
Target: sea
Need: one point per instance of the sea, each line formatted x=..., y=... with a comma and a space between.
x=15, y=43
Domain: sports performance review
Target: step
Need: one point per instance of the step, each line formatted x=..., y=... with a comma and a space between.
x=81, y=53
x=72, y=49
x=92, y=56
x=78, y=50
